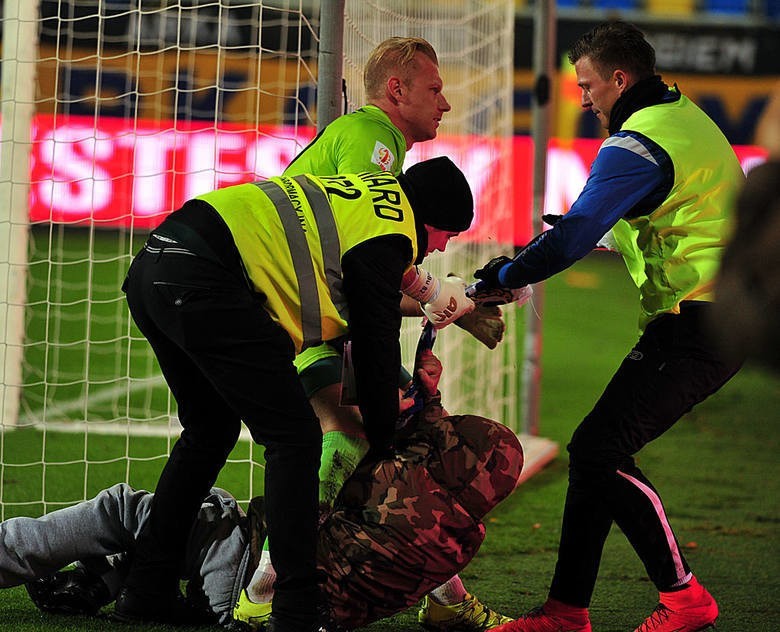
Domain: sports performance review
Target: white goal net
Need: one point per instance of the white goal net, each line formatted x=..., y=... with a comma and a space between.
x=114, y=113
x=474, y=43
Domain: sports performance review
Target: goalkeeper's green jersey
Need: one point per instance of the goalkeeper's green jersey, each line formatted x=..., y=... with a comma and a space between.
x=364, y=140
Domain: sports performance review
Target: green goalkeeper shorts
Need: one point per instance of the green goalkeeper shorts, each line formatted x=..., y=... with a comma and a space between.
x=320, y=366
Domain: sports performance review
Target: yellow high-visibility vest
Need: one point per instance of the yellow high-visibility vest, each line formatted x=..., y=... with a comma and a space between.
x=292, y=234
x=673, y=253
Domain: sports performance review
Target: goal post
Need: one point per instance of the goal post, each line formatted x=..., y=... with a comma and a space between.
x=329, y=63
x=20, y=39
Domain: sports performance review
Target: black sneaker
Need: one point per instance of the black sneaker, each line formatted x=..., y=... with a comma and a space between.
x=75, y=591
x=176, y=610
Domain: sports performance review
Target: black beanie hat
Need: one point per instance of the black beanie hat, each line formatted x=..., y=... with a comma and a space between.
x=439, y=194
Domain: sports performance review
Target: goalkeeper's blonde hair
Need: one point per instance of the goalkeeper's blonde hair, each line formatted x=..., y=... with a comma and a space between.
x=394, y=55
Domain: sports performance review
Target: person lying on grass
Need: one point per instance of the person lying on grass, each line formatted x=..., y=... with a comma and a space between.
x=401, y=526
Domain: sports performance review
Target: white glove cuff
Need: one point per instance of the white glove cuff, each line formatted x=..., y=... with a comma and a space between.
x=449, y=304
x=420, y=285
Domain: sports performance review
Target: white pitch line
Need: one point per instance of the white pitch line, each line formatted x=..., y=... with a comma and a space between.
x=102, y=395
x=135, y=428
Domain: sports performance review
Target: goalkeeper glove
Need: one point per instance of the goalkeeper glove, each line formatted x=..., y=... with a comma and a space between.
x=420, y=285
x=485, y=323
x=449, y=303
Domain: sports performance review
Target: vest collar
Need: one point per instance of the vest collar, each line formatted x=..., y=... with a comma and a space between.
x=647, y=92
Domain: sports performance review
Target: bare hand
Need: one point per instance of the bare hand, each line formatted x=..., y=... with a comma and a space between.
x=428, y=372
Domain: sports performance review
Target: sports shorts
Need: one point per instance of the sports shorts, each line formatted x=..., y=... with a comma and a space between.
x=321, y=366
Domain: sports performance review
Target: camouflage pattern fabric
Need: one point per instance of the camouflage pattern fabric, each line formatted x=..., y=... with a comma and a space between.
x=404, y=525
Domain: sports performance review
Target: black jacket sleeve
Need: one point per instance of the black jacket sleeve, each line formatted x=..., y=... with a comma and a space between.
x=372, y=273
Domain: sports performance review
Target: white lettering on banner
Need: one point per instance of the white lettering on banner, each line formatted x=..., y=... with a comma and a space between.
x=269, y=155
x=152, y=170
x=73, y=156
x=215, y=161
x=750, y=161
x=114, y=172
x=713, y=54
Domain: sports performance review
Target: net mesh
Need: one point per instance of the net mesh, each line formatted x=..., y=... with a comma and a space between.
x=133, y=107
x=474, y=43
x=136, y=106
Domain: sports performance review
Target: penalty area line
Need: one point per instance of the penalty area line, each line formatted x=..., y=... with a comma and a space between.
x=172, y=428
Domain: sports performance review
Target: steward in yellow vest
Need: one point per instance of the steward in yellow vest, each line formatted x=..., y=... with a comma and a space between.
x=664, y=184
x=226, y=290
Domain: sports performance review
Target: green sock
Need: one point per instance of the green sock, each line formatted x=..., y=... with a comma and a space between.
x=341, y=452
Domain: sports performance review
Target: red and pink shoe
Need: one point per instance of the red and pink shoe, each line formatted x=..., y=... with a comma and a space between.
x=553, y=616
x=691, y=609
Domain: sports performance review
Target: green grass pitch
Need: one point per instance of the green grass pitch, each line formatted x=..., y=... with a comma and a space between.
x=716, y=470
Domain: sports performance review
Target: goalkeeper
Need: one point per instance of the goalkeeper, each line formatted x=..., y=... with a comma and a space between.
x=407, y=521
x=405, y=105
x=664, y=182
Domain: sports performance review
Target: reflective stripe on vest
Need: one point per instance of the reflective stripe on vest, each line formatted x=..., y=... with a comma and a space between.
x=311, y=320
x=329, y=241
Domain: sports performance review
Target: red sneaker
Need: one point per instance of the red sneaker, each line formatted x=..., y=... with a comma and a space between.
x=690, y=610
x=548, y=618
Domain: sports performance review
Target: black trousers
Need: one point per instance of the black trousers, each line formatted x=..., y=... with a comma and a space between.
x=225, y=361
x=673, y=367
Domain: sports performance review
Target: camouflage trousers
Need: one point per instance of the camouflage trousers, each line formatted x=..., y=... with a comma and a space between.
x=405, y=525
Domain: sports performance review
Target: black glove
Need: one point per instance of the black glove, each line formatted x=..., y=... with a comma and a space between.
x=551, y=219
x=489, y=272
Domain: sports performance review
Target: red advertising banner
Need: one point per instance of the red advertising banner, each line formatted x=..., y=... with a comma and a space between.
x=111, y=172
x=115, y=172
